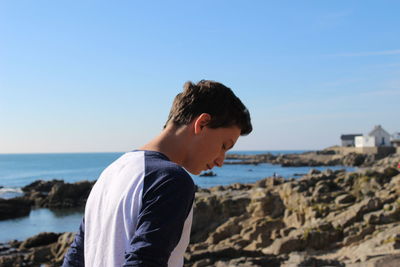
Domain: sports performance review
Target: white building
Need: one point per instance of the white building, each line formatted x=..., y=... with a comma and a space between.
x=348, y=140
x=378, y=137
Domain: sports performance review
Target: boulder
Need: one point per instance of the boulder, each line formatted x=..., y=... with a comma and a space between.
x=57, y=194
x=41, y=186
x=356, y=212
x=226, y=230
x=345, y=199
x=212, y=209
x=60, y=248
x=285, y=245
x=264, y=203
x=302, y=259
x=67, y=195
x=14, y=207
x=41, y=239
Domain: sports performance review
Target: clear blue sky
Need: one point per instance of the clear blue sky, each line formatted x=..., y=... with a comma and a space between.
x=81, y=76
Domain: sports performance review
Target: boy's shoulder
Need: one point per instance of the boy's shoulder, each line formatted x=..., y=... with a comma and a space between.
x=158, y=166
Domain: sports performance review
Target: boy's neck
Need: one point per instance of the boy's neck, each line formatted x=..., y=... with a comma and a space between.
x=172, y=142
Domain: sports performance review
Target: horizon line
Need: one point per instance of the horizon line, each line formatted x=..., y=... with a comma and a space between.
x=104, y=152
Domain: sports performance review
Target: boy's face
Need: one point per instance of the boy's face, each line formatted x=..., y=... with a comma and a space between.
x=209, y=148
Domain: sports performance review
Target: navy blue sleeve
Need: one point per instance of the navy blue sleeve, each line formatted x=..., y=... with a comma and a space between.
x=166, y=204
x=75, y=256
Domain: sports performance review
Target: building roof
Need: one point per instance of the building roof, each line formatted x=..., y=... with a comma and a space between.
x=349, y=136
x=376, y=129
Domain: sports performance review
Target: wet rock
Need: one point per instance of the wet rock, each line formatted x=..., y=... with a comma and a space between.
x=208, y=174
x=57, y=193
x=67, y=195
x=41, y=186
x=14, y=208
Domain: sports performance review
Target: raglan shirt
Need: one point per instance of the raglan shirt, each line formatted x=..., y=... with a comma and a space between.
x=139, y=213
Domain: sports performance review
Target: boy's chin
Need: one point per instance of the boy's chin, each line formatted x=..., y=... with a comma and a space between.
x=194, y=172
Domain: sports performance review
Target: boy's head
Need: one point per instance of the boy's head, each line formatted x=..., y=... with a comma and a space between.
x=213, y=98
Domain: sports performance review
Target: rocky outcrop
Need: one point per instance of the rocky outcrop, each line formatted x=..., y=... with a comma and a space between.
x=43, y=249
x=46, y=194
x=328, y=218
x=325, y=157
x=57, y=193
x=14, y=208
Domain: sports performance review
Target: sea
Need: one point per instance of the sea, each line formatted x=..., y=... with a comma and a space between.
x=19, y=170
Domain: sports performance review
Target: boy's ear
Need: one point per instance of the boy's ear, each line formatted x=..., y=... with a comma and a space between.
x=201, y=121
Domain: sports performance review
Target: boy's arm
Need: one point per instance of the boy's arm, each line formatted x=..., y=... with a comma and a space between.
x=75, y=256
x=165, y=208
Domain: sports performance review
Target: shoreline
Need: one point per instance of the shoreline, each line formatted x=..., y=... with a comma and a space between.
x=334, y=218
x=322, y=218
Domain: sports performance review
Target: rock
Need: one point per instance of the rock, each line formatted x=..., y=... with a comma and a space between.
x=40, y=254
x=220, y=252
x=385, y=261
x=40, y=240
x=269, y=182
x=285, y=245
x=14, y=208
x=345, y=199
x=262, y=261
x=226, y=230
x=265, y=204
x=314, y=171
x=41, y=186
x=356, y=212
x=303, y=260
x=390, y=172
x=260, y=232
x=322, y=236
x=44, y=249
x=359, y=235
x=60, y=248
x=57, y=194
x=208, y=174
x=67, y=195
x=354, y=159
x=215, y=208
x=294, y=219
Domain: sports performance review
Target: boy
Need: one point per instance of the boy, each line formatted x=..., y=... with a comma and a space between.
x=139, y=212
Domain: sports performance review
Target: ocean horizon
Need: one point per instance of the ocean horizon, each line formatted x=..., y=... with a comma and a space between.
x=18, y=170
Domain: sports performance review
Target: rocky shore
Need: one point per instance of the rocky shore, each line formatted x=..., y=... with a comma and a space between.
x=53, y=194
x=329, y=218
x=327, y=157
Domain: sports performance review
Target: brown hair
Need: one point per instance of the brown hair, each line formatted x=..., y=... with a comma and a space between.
x=213, y=98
